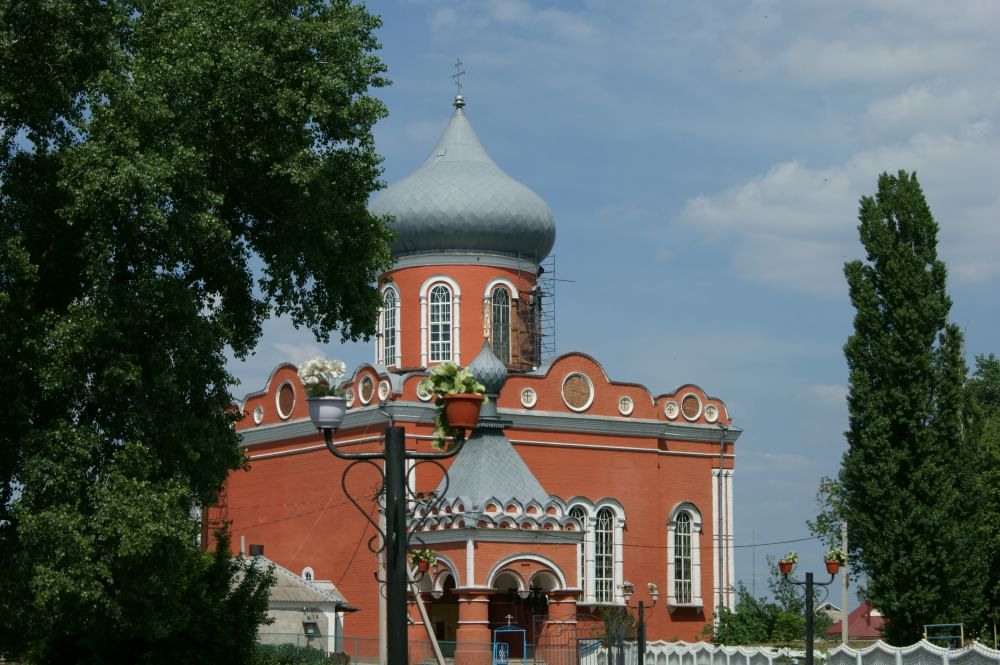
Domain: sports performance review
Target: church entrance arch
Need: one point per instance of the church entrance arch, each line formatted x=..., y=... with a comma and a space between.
x=520, y=599
x=443, y=611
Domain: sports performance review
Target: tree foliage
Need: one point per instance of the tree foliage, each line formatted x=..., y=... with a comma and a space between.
x=767, y=621
x=171, y=174
x=908, y=482
x=983, y=427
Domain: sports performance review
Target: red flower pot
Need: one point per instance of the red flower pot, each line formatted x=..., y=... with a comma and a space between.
x=786, y=567
x=832, y=567
x=423, y=566
x=462, y=410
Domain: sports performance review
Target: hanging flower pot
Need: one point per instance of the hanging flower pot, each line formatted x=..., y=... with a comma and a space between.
x=327, y=412
x=423, y=559
x=462, y=409
x=326, y=406
x=459, y=398
x=787, y=562
x=835, y=558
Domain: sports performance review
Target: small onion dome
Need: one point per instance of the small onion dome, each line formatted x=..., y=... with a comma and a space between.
x=459, y=200
x=489, y=370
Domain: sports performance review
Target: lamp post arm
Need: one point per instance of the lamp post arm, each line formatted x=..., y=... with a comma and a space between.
x=328, y=438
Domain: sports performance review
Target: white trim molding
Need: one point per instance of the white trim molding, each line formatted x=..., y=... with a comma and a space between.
x=456, y=322
x=397, y=359
x=691, y=511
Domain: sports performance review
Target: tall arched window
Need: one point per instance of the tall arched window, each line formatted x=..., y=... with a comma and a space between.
x=389, y=327
x=684, y=556
x=604, y=556
x=440, y=323
x=580, y=514
x=501, y=324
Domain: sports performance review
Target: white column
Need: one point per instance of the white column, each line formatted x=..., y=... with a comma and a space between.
x=619, y=558
x=423, y=331
x=591, y=570
x=716, y=542
x=456, y=350
x=399, y=331
x=470, y=562
x=729, y=540
x=331, y=631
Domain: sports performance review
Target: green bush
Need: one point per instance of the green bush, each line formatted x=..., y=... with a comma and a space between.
x=290, y=654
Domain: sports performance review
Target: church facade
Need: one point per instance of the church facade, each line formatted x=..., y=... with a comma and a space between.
x=576, y=496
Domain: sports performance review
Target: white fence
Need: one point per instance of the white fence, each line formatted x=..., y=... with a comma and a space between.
x=880, y=653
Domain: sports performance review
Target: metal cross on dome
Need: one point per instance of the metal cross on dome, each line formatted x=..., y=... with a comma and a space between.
x=458, y=75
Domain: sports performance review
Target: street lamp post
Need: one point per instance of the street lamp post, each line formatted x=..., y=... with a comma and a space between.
x=640, y=632
x=809, y=584
x=394, y=454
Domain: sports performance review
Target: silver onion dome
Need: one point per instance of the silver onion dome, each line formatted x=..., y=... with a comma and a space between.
x=459, y=200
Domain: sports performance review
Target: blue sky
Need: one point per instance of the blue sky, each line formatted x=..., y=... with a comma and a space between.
x=704, y=161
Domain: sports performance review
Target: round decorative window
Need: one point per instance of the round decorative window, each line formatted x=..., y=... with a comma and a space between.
x=349, y=396
x=423, y=393
x=529, y=398
x=285, y=400
x=626, y=406
x=671, y=410
x=691, y=406
x=366, y=389
x=258, y=414
x=711, y=413
x=578, y=391
x=383, y=390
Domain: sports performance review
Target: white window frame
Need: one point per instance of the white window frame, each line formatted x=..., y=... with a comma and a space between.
x=589, y=550
x=389, y=315
x=694, y=514
x=490, y=314
x=497, y=325
x=425, y=323
x=580, y=512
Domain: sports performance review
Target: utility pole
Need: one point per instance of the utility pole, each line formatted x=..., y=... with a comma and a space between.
x=844, y=584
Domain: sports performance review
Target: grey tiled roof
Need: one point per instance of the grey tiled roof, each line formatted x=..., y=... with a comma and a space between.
x=488, y=466
x=292, y=588
x=458, y=199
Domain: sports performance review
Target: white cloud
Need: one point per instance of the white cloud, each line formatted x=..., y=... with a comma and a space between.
x=443, y=19
x=817, y=60
x=794, y=226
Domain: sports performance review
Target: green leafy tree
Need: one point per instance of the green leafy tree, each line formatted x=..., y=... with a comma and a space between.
x=983, y=426
x=907, y=480
x=172, y=173
x=762, y=620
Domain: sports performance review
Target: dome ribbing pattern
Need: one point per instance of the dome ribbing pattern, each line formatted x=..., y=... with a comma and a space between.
x=460, y=200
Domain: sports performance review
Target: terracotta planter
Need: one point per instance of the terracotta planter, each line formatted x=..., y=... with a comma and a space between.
x=423, y=566
x=832, y=567
x=327, y=412
x=785, y=567
x=462, y=410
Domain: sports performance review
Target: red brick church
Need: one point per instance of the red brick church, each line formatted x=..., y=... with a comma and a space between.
x=573, y=487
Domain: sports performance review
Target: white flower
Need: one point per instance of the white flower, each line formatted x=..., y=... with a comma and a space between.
x=320, y=371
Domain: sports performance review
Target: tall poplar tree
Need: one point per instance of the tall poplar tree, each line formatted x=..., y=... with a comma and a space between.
x=908, y=480
x=171, y=173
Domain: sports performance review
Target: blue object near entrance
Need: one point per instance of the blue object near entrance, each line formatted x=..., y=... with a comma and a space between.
x=502, y=640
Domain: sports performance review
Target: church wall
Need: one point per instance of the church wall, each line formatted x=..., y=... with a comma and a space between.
x=293, y=505
x=473, y=280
